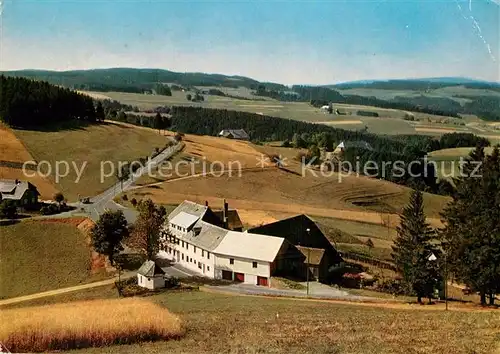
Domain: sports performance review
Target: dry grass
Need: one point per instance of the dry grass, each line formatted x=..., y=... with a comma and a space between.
x=92, y=144
x=12, y=151
x=86, y=324
x=220, y=323
x=361, y=199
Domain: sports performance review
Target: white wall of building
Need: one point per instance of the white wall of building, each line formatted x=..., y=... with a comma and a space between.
x=150, y=283
x=190, y=256
x=242, y=265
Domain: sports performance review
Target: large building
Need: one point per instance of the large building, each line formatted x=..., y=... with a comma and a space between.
x=302, y=232
x=199, y=243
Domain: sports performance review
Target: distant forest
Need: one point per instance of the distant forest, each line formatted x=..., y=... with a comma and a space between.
x=147, y=80
x=28, y=103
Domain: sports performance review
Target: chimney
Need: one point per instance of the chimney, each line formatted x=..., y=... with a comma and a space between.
x=17, y=181
x=224, y=214
x=206, y=203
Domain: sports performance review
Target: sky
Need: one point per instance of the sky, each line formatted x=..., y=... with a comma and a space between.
x=290, y=42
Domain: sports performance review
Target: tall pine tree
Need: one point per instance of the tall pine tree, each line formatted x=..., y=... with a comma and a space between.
x=413, y=247
x=472, y=219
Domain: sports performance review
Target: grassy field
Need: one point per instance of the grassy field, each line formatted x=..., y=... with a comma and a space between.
x=13, y=155
x=87, y=324
x=42, y=255
x=91, y=145
x=390, y=121
x=219, y=323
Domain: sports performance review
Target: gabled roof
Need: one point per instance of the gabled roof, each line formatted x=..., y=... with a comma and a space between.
x=9, y=189
x=150, y=269
x=250, y=246
x=189, y=208
x=313, y=255
x=184, y=219
x=236, y=133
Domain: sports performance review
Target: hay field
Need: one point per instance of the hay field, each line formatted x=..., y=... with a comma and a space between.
x=87, y=324
x=92, y=145
x=361, y=199
x=218, y=323
x=43, y=255
x=13, y=154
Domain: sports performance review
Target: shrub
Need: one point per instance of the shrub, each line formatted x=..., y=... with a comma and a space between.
x=172, y=282
x=87, y=324
x=8, y=209
x=178, y=137
x=124, y=197
x=49, y=209
x=133, y=201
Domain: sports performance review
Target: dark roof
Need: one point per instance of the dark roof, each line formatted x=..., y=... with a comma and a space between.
x=150, y=269
x=233, y=218
x=294, y=230
x=236, y=133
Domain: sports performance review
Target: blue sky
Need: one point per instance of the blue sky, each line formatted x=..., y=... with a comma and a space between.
x=316, y=42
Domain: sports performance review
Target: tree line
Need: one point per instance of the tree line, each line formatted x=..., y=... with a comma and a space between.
x=25, y=103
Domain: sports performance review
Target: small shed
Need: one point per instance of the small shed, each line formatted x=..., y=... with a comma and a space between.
x=151, y=276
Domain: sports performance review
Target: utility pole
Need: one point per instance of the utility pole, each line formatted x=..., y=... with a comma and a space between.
x=308, y=257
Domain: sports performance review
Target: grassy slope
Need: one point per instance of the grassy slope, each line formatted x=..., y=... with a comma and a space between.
x=14, y=154
x=220, y=323
x=39, y=256
x=96, y=143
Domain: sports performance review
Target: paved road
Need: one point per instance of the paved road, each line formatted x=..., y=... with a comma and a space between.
x=104, y=200
x=316, y=291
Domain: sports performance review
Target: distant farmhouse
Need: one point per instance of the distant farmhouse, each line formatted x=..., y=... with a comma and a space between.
x=213, y=245
x=239, y=134
x=23, y=193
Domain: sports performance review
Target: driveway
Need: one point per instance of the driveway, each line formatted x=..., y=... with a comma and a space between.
x=316, y=291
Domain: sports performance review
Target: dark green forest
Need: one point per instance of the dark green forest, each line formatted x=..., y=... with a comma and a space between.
x=28, y=103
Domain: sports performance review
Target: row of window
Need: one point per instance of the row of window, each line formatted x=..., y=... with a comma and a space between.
x=174, y=240
x=177, y=227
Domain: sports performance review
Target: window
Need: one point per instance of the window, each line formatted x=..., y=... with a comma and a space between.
x=208, y=255
x=199, y=265
x=202, y=253
x=182, y=256
x=208, y=268
x=254, y=264
x=187, y=246
x=231, y=260
x=182, y=243
x=194, y=249
x=195, y=261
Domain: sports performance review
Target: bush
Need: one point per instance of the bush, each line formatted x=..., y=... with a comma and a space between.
x=172, y=282
x=124, y=197
x=50, y=209
x=178, y=137
x=133, y=201
x=8, y=209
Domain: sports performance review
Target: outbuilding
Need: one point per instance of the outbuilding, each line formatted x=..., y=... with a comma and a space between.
x=151, y=276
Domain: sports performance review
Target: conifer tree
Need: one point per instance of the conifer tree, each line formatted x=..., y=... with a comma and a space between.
x=472, y=219
x=413, y=247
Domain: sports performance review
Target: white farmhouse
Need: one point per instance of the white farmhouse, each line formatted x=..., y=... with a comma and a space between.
x=151, y=276
x=218, y=253
x=247, y=258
